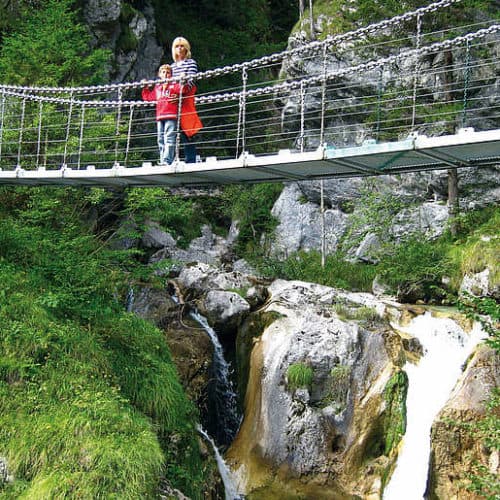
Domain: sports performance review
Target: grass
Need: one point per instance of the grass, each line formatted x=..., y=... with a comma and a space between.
x=91, y=405
x=306, y=266
x=299, y=375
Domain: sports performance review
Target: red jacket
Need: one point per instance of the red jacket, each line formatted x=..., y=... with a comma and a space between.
x=166, y=96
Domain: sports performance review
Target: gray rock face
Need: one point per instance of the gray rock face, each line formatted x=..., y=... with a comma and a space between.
x=480, y=284
x=420, y=194
x=305, y=427
x=208, y=248
x=155, y=237
x=224, y=310
x=300, y=224
x=200, y=278
x=105, y=24
x=102, y=12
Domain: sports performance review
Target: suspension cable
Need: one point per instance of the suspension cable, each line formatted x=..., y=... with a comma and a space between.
x=242, y=114
x=2, y=116
x=80, y=139
x=466, y=82
x=415, y=74
x=118, y=118
x=129, y=130
x=39, y=135
x=68, y=127
x=258, y=62
x=21, y=129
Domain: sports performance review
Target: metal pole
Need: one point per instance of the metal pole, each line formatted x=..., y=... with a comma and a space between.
x=311, y=19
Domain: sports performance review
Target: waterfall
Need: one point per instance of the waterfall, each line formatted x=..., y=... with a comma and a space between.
x=231, y=493
x=130, y=299
x=225, y=398
x=430, y=382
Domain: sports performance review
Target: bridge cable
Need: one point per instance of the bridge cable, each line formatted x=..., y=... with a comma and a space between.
x=129, y=130
x=302, y=115
x=2, y=114
x=68, y=127
x=118, y=118
x=273, y=58
x=80, y=138
x=178, y=133
x=21, y=128
x=380, y=87
x=242, y=114
x=466, y=83
x=415, y=74
x=39, y=134
x=321, y=142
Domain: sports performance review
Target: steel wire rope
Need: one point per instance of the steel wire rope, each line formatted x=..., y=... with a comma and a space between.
x=70, y=111
x=241, y=113
x=20, y=137
x=80, y=137
x=315, y=45
x=2, y=117
x=39, y=133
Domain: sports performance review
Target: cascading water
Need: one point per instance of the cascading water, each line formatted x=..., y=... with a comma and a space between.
x=231, y=493
x=129, y=303
x=224, y=398
x=430, y=382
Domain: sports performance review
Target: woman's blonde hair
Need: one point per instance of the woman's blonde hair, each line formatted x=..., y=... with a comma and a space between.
x=182, y=41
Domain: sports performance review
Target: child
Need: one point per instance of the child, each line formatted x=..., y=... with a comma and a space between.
x=166, y=95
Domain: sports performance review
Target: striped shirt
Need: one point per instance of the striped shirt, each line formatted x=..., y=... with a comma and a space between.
x=187, y=68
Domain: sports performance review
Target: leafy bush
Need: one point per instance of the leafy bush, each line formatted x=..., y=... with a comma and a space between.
x=251, y=207
x=415, y=268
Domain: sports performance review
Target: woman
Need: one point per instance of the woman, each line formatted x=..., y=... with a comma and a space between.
x=185, y=67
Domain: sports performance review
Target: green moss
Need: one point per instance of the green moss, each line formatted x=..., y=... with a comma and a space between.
x=340, y=376
x=127, y=41
x=355, y=312
x=395, y=410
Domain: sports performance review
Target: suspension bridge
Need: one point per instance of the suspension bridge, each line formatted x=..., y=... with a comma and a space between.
x=393, y=97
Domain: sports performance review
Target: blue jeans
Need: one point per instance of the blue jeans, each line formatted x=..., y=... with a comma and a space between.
x=167, y=132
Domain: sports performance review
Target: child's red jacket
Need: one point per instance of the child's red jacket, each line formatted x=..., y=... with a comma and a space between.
x=166, y=96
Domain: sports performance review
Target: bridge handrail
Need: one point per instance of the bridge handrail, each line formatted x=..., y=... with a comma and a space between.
x=254, y=63
x=285, y=86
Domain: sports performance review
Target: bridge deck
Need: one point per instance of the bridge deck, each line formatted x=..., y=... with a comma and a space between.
x=416, y=153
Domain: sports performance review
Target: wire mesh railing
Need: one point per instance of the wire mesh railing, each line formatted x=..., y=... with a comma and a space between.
x=380, y=86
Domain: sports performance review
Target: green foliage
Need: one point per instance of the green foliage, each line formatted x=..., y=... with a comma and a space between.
x=340, y=377
x=483, y=481
x=176, y=214
x=90, y=402
x=486, y=310
x=299, y=375
x=414, y=269
x=50, y=47
x=251, y=207
x=363, y=313
x=376, y=209
x=337, y=272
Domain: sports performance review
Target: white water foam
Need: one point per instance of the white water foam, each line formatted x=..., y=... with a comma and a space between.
x=430, y=382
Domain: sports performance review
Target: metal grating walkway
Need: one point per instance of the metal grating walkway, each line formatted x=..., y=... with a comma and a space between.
x=467, y=148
